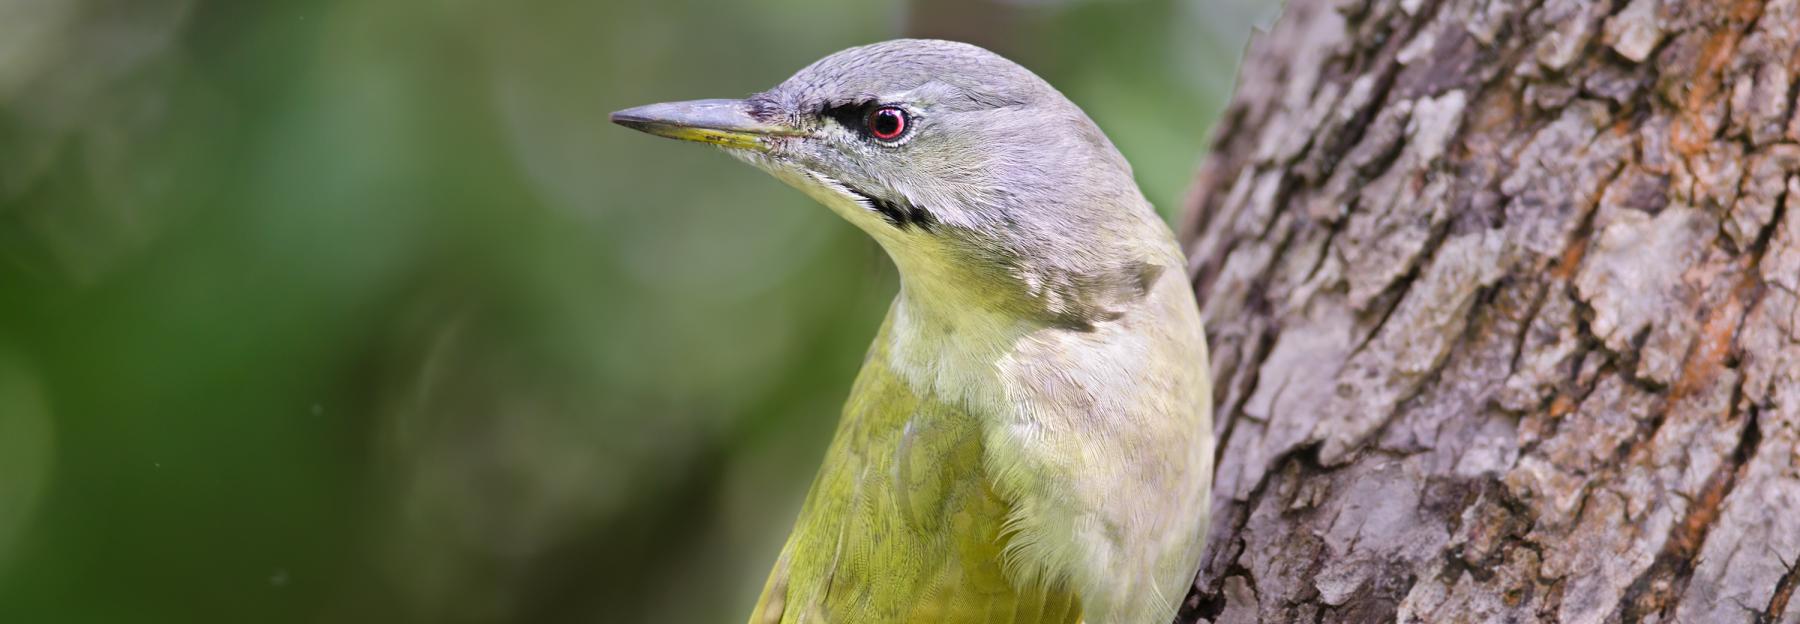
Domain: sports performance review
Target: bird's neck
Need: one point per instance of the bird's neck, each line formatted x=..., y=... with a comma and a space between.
x=946, y=343
x=963, y=307
x=953, y=324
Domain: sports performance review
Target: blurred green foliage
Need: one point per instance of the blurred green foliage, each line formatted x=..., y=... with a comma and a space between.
x=326, y=310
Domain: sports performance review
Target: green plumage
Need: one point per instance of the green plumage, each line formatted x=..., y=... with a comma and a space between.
x=902, y=523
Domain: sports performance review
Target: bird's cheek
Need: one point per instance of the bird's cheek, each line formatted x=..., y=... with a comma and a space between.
x=799, y=150
x=810, y=155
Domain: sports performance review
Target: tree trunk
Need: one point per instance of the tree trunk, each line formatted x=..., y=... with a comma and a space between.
x=1504, y=299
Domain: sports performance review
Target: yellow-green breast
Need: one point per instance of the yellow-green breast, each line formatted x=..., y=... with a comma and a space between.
x=902, y=524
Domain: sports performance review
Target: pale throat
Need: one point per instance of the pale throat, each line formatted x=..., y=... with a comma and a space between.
x=953, y=322
x=951, y=326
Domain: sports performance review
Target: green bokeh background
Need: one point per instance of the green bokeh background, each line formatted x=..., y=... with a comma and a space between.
x=359, y=311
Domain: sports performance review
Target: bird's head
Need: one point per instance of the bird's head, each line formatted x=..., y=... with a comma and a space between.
x=983, y=182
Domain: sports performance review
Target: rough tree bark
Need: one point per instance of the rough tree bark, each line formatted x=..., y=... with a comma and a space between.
x=1505, y=306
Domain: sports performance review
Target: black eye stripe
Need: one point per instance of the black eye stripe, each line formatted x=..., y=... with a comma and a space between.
x=860, y=117
x=849, y=116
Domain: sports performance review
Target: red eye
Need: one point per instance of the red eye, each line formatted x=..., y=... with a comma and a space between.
x=887, y=123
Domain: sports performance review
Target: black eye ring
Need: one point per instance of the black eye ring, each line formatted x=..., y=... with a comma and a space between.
x=887, y=123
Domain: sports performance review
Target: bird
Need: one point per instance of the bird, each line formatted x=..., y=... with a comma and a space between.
x=1030, y=437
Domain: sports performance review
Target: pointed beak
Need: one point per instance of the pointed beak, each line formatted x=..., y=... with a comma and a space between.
x=719, y=122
